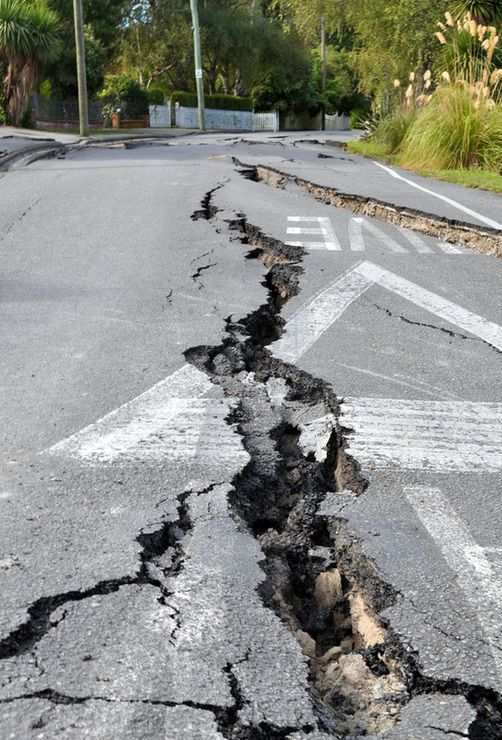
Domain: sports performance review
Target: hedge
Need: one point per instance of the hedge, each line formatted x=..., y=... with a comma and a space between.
x=217, y=102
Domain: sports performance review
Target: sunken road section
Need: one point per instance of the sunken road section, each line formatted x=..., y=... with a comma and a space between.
x=479, y=238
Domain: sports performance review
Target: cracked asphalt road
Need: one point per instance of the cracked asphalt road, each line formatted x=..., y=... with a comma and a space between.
x=251, y=450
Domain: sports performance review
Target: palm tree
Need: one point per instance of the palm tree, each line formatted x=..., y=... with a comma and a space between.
x=487, y=12
x=29, y=36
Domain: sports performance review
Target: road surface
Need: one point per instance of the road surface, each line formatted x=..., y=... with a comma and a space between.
x=251, y=445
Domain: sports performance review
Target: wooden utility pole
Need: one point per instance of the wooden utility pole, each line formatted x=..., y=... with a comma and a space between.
x=81, y=73
x=198, y=65
x=323, y=72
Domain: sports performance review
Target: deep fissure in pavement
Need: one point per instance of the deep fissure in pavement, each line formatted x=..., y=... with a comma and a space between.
x=319, y=581
x=480, y=238
x=278, y=496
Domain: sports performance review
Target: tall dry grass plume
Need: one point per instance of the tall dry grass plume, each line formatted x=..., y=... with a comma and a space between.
x=460, y=125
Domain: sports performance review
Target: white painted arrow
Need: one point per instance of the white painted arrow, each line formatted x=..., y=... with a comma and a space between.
x=175, y=420
x=316, y=316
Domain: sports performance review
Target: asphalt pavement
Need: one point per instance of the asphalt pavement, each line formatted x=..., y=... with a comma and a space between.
x=251, y=449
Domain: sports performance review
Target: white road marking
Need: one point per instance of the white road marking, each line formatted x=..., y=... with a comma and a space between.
x=323, y=227
x=300, y=230
x=451, y=312
x=356, y=236
x=356, y=226
x=424, y=435
x=450, y=201
x=316, y=316
x=414, y=239
x=307, y=219
x=174, y=420
x=449, y=248
x=312, y=245
x=475, y=574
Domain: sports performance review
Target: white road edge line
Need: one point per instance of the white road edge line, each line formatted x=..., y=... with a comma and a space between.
x=476, y=575
x=450, y=201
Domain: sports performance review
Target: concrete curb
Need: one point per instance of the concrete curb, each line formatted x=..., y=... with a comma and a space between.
x=37, y=149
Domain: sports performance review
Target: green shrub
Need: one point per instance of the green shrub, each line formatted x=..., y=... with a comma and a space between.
x=391, y=130
x=229, y=102
x=45, y=89
x=156, y=96
x=358, y=117
x=27, y=120
x=218, y=102
x=461, y=125
x=3, y=117
x=186, y=99
x=124, y=93
x=455, y=130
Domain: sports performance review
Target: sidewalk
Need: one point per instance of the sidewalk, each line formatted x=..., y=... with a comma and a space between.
x=12, y=138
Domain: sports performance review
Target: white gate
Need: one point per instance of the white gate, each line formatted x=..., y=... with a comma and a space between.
x=266, y=121
x=160, y=116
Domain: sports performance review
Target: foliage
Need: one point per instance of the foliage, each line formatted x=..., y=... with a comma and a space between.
x=156, y=45
x=285, y=79
x=103, y=19
x=358, y=117
x=392, y=129
x=307, y=17
x=341, y=94
x=487, y=12
x=459, y=123
x=218, y=102
x=29, y=36
x=462, y=124
x=156, y=96
x=390, y=39
x=453, y=133
x=246, y=52
x=124, y=93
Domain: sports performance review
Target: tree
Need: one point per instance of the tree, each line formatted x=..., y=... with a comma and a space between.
x=487, y=12
x=392, y=39
x=156, y=46
x=103, y=31
x=30, y=34
x=284, y=80
x=306, y=17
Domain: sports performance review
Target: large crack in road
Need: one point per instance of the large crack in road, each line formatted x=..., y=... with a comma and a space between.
x=479, y=238
x=319, y=581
